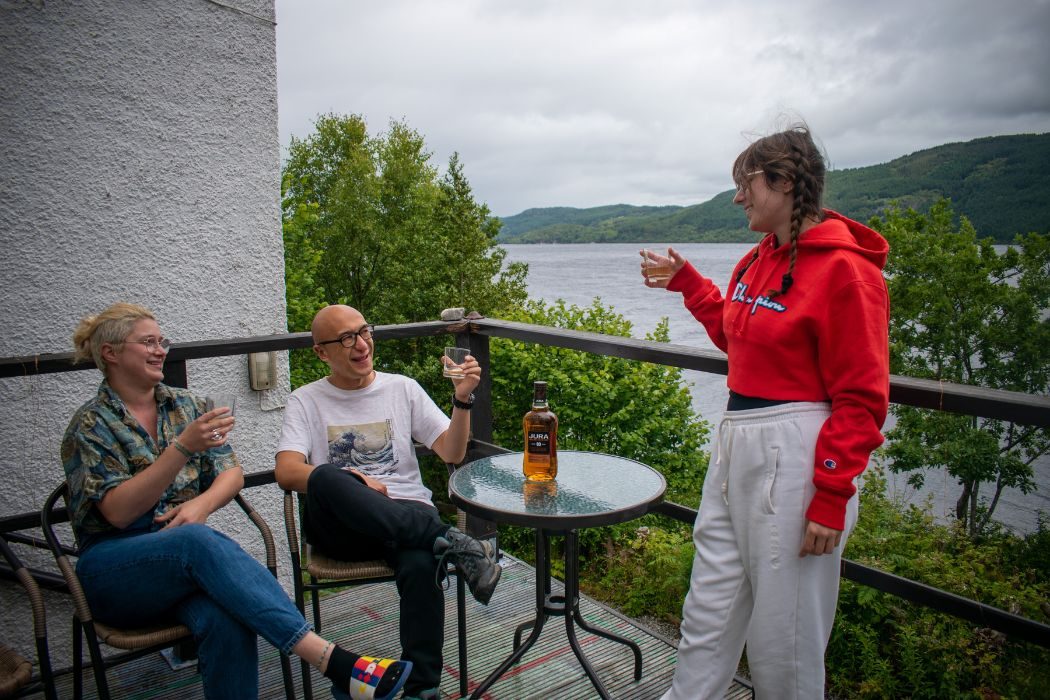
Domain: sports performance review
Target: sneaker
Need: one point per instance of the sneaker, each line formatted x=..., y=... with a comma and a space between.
x=431, y=694
x=475, y=560
x=375, y=679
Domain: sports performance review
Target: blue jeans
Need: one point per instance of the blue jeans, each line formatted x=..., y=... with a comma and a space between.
x=204, y=580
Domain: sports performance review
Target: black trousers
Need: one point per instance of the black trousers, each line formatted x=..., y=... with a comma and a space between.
x=347, y=520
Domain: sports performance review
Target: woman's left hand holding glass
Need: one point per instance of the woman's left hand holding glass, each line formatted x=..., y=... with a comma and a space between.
x=208, y=431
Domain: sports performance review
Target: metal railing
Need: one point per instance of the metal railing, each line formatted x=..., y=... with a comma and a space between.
x=476, y=334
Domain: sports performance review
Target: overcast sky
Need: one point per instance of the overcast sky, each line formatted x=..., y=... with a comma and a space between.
x=589, y=102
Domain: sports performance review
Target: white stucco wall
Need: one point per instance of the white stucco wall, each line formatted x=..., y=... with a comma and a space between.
x=139, y=161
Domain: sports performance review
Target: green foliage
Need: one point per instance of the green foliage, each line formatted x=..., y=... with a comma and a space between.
x=647, y=572
x=632, y=409
x=884, y=647
x=962, y=312
x=999, y=183
x=881, y=646
x=368, y=222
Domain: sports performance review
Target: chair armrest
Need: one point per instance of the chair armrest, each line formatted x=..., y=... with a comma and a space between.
x=292, y=500
x=264, y=530
x=36, y=598
x=49, y=516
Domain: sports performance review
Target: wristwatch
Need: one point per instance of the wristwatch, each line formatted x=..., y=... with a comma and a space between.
x=465, y=405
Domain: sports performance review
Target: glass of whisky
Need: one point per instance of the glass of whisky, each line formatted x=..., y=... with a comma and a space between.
x=654, y=269
x=451, y=361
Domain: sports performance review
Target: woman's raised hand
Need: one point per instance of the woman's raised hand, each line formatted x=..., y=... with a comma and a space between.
x=208, y=431
x=657, y=270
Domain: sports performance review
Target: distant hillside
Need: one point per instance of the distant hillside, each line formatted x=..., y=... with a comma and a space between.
x=1000, y=183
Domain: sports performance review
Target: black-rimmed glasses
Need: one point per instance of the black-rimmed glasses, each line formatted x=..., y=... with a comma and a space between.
x=349, y=339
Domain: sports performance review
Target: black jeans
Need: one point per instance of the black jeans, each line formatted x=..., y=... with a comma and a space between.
x=347, y=520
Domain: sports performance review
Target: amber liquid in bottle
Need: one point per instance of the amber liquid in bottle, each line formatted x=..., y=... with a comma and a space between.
x=541, y=438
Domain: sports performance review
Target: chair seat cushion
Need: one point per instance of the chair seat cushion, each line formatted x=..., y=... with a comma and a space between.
x=142, y=637
x=324, y=567
x=15, y=671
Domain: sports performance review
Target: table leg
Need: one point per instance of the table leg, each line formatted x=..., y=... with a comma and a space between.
x=572, y=602
x=542, y=591
x=572, y=560
x=567, y=606
x=543, y=573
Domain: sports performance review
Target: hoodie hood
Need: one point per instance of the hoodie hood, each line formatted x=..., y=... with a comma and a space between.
x=838, y=231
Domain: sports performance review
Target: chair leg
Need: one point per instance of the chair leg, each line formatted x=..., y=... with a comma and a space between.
x=286, y=673
x=461, y=620
x=46, y=674
x=308, y=686
x=78, y=660
x=99, y=663
x=300, y=603
x=315, y=596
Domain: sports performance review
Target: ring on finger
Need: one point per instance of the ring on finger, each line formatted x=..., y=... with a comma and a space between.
x=215, y=435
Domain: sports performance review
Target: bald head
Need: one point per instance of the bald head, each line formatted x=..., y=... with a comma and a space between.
x=332, y=321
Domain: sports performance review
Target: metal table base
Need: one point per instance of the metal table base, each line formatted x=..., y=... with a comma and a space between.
x=567, y=606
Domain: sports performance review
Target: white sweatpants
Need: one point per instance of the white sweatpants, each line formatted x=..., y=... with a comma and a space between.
x=748, y=583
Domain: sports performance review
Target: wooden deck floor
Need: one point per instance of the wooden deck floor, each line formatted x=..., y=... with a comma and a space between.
x=365, y=619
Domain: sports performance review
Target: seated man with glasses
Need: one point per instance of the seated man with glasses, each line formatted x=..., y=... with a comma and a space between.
x=346, y=443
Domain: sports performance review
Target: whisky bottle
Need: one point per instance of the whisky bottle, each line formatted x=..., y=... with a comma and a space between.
x=541, y=438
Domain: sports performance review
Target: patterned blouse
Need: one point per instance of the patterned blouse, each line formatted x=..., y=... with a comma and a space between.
x=104, y=446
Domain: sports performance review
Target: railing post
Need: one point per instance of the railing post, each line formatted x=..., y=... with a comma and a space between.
x=175, y=374
x=481, y=415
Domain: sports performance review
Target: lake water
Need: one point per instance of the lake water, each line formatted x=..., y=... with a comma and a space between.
x=577, y=273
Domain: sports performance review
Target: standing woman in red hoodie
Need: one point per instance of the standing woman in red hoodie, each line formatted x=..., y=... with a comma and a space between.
x=805, y=326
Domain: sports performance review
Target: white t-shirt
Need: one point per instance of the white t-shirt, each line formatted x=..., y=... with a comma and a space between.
x=369, y=429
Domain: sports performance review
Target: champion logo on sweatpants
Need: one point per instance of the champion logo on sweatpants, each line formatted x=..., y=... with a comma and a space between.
x=830, y=464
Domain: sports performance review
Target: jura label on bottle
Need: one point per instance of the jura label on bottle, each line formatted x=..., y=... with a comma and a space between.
x=539, y=442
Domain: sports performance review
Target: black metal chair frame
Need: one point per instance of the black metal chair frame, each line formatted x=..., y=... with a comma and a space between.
x=84, y=626
x=45, y=678
x=373, y=572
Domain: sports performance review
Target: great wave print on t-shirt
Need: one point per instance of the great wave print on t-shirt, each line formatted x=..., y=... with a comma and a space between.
x=367, y=448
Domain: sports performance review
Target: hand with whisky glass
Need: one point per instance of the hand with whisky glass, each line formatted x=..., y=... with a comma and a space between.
x=659, y=269
x=452, y=362
x=460, y=366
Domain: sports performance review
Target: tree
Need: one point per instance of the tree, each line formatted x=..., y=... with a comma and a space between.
x=368, y=222
x=963, y=312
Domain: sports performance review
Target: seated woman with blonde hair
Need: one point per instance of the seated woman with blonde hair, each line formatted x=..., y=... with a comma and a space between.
x=146, y=466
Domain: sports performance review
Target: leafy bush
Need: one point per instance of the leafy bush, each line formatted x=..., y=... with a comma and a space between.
x=883, y=646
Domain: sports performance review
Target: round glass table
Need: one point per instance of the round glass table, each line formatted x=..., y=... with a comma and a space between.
x=592, y=489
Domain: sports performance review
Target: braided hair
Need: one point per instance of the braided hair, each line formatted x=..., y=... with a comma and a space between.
x=790, y=156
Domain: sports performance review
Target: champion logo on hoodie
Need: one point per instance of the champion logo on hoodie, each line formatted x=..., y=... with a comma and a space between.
x=740, y=296
x=830, y=464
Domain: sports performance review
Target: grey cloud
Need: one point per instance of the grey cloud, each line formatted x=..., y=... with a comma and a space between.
x=595, y=102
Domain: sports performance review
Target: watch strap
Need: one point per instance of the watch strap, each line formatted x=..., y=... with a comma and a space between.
x=465, y=405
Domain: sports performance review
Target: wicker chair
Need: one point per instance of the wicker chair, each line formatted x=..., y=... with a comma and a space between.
x=137, y=642
x=326, y=573
x=16, y=673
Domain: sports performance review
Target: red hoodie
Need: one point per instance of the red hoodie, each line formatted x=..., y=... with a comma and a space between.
x=826, y=339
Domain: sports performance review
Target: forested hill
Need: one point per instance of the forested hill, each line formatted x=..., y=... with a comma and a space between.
x=1000, y=183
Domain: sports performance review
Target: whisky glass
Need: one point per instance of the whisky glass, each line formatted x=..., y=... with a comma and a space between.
x=452, y=360
x=655, y=270
x=227, y=401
